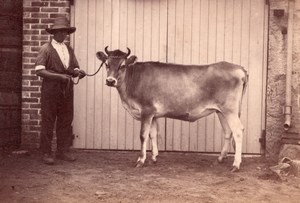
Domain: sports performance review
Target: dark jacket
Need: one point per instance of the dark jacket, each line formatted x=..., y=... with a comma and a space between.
x=49, y=57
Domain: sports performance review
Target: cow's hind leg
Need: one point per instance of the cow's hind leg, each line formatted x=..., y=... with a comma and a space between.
x=237, y=129
x=227, y=137
x=153, y=136
x=146, y=123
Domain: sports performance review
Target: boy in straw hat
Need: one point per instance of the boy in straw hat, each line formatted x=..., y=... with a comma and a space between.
x=56, y=64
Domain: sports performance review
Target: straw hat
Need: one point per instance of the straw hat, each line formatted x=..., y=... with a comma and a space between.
x=61, y=23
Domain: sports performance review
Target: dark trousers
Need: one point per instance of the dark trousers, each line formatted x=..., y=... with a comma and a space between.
x=57, y=108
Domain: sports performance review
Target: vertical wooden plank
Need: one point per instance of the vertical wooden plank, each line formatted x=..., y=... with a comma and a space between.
x=79, y=122
x=131, y=44
x=245, y=37
x=219, y=56
x=90, y=68
x=256, y=54
x=155, y=30
x=106, y=90
x=123, y=46
x=163, y=27
x=236, y=35
x=72, y=23
x=147, y=30
x=147, y=38
x=203, y=60
x=139, y=42
x=115, y=23
x=99, y=82
x=228, y=34
x=228, y=30
x=220, y=30
x=211, y=57
x=187, y=46
x=170, y=59
x=177, y=131
x=265, y=66
x=195, y=51
x=158, y=51
x=237, y=29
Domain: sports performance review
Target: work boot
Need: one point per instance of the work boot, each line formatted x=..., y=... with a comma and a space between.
x=65, y=156
x=48, y=159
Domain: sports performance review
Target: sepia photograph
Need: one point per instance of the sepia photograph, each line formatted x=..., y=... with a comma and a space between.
x=150, y=101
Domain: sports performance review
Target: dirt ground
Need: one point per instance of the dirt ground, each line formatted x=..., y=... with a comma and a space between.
x=109, y=176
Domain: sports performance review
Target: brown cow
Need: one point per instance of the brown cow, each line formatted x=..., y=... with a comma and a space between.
x=150, y=90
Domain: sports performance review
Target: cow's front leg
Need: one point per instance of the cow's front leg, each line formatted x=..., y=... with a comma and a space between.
x=153, y=137
x=144, y=134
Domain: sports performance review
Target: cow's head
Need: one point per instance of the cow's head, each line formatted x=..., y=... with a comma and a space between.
x=116, y=63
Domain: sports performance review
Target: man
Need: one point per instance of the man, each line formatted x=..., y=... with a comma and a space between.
x=56, y=64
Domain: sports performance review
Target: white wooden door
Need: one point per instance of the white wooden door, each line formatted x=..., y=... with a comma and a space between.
x=180, y=31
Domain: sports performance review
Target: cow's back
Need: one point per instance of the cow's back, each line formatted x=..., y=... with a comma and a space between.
x=150, y=79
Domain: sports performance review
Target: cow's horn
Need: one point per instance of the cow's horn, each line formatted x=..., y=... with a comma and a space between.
x=128, y=52
x=106, y=50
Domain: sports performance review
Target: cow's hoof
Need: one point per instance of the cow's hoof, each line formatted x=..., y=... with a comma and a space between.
x=222, y=159
x=154, y=161
x=234, y=169
x=139, y=164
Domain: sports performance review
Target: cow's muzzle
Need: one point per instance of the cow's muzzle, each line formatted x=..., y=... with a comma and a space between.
x=112, y=82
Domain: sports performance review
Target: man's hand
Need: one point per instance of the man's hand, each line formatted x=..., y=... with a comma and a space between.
x=65, y=78
x=82, y=74
x=79, y=73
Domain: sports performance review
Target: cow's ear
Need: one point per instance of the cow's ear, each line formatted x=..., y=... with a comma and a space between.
x=101, y=56
x=131, y=61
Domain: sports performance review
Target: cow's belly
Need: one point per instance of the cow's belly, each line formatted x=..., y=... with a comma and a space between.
x=190, y=116
x=185, y=114
x=195, y=115
x=180, y=113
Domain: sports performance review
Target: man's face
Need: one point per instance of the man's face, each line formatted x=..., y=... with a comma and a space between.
x=60, y=35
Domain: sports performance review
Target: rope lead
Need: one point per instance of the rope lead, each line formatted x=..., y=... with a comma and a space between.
x=90, y=75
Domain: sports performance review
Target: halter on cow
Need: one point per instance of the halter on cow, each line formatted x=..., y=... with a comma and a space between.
x=150, y=90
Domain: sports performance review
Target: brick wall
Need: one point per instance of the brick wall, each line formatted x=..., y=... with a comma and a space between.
x=37, y=15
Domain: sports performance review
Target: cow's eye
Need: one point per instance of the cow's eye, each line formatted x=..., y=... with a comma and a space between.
x=122, y=66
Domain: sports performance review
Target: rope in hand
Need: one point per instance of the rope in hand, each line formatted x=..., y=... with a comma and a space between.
x=86, y=74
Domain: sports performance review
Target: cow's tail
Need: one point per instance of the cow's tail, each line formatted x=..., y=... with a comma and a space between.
x=245, y=83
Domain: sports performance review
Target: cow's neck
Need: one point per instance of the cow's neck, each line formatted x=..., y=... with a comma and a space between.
x=128, y=102
x=126, y=84
x=122, y=92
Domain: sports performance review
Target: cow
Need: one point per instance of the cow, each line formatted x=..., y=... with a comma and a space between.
x=151, y=90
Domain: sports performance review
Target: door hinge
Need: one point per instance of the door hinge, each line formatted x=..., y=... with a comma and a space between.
x=262, y=139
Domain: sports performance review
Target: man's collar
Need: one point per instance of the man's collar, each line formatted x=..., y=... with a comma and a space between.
x=56, y=42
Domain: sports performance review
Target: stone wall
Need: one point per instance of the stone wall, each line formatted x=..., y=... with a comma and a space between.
x=37, y=15
x=276, y=83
